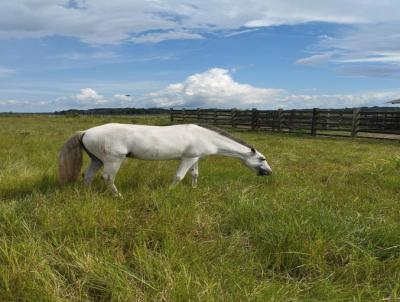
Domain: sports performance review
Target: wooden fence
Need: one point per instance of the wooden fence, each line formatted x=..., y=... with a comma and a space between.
x=314, y=121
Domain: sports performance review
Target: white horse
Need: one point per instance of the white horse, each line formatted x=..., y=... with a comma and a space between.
x=110, y=144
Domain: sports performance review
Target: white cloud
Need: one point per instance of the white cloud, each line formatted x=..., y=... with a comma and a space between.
x=6, y=72
x=170, y=35
x=240, y=32
x=12, y=102
x=383, y=57
x=365, y=40
x=360, y=99
x=88, y=95
x=314, y=59
x=212, y=88
x=371, y=50
x=110, y=22
x=216, y=88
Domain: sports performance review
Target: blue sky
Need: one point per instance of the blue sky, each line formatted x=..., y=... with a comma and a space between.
x=267, y=54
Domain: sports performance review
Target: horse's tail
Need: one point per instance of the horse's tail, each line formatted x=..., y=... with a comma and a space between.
x=70, y=159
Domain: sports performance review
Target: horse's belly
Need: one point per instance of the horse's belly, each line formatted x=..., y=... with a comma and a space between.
x=157, y=151
x=156, y=155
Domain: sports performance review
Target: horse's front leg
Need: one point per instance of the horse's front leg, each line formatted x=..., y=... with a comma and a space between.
x=195, y=174
x=184, y=166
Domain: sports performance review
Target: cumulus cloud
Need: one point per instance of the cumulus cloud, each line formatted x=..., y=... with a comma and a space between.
x=85, y=99
x=89, y=95
x=214, y=87
x=110, y=22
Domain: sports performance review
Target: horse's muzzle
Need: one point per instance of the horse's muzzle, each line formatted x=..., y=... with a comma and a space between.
x=264, y=172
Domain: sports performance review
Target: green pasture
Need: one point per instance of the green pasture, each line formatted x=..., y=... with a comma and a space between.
x=324, y=227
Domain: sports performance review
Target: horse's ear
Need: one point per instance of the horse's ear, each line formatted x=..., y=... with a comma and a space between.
x=253, y=150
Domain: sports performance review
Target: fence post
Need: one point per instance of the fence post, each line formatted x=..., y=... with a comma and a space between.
x=273, y=120
x=198, y=115
x=327, y=121
x=171, y=114
x=280, y=119
x=254, y=118
x=233, y=117
x=215, y=117
x=292, y=117
x=314, y=121
x=385, y=118
x=355, y=125
x=183, y=114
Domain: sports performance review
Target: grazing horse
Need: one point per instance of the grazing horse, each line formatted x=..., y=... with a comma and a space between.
x=110, y=144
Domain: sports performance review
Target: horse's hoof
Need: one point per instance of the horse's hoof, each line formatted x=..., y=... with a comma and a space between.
x=117, y=195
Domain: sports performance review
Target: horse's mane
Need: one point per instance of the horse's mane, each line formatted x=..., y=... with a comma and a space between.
x=226, y=134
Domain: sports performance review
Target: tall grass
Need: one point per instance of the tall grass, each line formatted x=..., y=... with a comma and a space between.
x=324, y=227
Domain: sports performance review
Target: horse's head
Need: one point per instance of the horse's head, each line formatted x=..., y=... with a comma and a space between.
x=257, y=162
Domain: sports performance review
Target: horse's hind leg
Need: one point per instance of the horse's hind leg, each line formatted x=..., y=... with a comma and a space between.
x=195, y=173
x=110, y=171
x=94, y=166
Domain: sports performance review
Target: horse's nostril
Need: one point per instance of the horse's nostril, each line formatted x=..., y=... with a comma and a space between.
x=264, y=172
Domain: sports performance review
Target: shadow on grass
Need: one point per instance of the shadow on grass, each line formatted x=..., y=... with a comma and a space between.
x=44, y=185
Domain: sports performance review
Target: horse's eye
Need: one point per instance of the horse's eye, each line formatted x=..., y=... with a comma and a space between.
x=262, y=159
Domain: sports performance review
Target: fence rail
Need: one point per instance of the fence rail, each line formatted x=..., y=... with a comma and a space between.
x=314, y=121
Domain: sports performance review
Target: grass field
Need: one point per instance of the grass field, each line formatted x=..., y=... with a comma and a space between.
x=324, y=227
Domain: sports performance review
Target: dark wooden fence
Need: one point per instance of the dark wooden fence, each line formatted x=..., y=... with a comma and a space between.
x=314, y=121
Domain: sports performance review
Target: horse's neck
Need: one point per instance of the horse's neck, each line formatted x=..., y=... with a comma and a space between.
x=228, y=147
